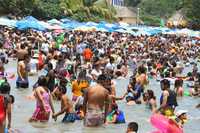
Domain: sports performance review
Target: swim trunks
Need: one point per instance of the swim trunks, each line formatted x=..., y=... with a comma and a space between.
x=94, y=118
x=69, y=117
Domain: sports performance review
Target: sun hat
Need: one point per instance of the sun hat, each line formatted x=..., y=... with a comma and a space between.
x=180, y=112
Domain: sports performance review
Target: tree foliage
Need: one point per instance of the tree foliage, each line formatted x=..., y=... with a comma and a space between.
x=132, y=3
x=82, y=10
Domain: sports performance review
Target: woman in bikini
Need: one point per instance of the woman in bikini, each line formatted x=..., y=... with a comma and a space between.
x=44, y=104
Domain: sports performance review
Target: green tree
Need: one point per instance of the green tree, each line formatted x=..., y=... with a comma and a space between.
x=17, y=7
x=193, y=9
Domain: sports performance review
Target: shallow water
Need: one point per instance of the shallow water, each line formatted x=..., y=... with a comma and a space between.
x=23, y=109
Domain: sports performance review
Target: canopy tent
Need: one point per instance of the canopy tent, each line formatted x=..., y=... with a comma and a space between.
x=29, y=22
x=8, y=22
x=54, y=22
x=85, y=28
x=68, y=24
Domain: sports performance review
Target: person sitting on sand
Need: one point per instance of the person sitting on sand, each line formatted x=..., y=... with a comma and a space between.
x=66, y=107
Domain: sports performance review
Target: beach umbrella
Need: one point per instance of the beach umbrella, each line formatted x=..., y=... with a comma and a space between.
x=29, y=22
x=85, y=28
x=102, y=29
x=54, y=22
x=65, y=20
x=91, y=24
x=55, y=27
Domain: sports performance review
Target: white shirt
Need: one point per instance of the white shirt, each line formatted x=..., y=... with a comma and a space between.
x=110, y=66
x=96, y=73
x=45, y=47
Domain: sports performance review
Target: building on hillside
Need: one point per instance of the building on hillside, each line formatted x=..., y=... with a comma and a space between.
x=124, y=14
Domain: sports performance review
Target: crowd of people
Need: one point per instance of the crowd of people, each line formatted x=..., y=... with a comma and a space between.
x=89, y=61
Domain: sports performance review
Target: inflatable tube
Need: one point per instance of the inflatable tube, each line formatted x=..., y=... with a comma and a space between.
x=186, y=93
x=157, y=131
x=164, y=124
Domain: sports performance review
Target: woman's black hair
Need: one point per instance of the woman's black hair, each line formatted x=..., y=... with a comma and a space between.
x=42, y=81
x=178, y=83
x=165, y=83
x=133, y=82
x=62, y=89
x=5, y=88
x=151, y=94
x=133, y=126
x=12, y=99
x=50, y=66
x=141, y=69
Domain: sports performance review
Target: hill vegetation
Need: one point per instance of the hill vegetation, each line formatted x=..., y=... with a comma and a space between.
x=82, y=10
x=97, y=10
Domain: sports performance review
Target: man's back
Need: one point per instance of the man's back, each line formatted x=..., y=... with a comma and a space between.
x=97, y=96
x=21, y=53
x=95, y=104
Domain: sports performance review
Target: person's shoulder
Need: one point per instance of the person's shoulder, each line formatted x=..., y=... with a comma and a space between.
x=165, y=92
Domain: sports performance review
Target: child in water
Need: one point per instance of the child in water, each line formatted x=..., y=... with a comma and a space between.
x=150, y=100
x=116, y=116
x=134, y=92
x=178, y=87
x=79, y=112
x=6, y=101
x=66, y=107
x=132, y=127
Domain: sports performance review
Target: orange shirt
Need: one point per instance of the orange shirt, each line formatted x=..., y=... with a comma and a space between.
x=77, y=87
x=87, y=53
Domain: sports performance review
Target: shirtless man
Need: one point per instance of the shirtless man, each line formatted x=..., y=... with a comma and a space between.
x=22, y=71
x=96, y=102
x=142, y=78
x=21, y=52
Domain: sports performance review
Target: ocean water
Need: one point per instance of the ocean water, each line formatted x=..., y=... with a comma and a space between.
x=23, y=109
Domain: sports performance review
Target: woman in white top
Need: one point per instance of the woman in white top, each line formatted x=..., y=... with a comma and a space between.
x=96, y=71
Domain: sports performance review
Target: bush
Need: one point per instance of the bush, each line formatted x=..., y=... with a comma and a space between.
x=150, y=20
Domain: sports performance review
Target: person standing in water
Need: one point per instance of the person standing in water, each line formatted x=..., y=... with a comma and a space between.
x=22, y=52
x=66, y=107
x=44, y=104
x=132, y=127
x=168, y=101
x=96, y=103
x=22, y=71
x=5, y=106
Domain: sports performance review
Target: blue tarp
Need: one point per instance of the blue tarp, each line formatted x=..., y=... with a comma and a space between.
x=33, y=23
x=8, y=22
x=29, y=22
